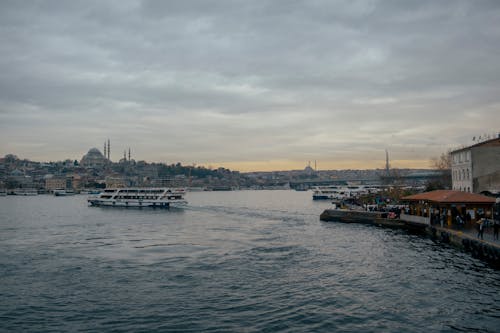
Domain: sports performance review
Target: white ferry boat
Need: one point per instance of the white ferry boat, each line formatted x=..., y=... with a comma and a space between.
x=25, y=191
x=139, y=197
x=329, y=192
x=342, y=192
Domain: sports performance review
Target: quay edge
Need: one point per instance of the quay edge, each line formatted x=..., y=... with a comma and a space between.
x=487, y=251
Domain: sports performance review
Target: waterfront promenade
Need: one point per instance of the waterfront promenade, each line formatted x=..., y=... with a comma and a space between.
x=472, y=234
x=487, y=248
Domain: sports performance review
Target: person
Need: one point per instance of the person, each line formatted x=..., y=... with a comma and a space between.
x=460, y=221
x=480, y=228
x=496, y=226
x=442, y=220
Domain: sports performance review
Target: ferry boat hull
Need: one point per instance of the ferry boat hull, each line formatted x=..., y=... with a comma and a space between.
x=139, y=198
x=137, y=204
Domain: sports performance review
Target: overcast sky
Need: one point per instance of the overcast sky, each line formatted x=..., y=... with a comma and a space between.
x=249, y=85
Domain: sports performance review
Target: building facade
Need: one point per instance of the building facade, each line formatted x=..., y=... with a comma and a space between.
x=476, y=168
x=55, y=183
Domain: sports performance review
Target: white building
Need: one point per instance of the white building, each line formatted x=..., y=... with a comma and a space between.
x=477, y=168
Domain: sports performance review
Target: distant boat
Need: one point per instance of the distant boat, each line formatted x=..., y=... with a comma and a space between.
x=63, y=193
x=3, y=192
x=90, y=191
x=221, y=188
x=342, y=192
x=329, y=192
x=25, y=191
x=139, y=197
x=195, y=189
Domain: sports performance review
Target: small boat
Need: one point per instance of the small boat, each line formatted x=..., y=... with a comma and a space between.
x=139, y=197
x=25, y=191
x=63, y=193
x=342, y=192
x=330, y=193
x=90, y=191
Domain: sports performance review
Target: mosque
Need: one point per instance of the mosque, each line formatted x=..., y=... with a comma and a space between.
x=95, y=159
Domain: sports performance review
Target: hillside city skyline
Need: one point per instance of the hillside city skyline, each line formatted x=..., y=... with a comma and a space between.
x=299, y=165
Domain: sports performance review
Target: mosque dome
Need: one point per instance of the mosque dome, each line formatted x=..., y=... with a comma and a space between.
x=94, y=158
x=94, y=151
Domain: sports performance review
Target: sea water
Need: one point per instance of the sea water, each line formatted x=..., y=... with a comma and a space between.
x=240, y=261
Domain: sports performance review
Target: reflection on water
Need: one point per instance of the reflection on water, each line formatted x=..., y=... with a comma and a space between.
x=231, y=261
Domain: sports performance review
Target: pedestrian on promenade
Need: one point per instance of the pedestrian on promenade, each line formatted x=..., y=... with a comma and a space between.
x=480, y=228
x=460, y=222
x=496, y=226
x=442, y=220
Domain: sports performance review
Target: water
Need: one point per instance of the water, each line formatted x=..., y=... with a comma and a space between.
x=245, y=261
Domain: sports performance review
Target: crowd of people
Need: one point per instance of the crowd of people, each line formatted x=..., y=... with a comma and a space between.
x=461, y=222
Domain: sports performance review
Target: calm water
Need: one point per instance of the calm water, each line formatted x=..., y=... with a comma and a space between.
x=249, y=261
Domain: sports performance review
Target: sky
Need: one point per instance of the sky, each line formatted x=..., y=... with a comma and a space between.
x=249, y=85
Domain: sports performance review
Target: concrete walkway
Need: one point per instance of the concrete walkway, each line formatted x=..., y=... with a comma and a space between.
x=472, y=233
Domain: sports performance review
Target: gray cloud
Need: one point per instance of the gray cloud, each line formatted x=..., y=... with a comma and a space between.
x=229, y=81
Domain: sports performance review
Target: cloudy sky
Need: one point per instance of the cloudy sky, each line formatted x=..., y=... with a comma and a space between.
x=249, y=85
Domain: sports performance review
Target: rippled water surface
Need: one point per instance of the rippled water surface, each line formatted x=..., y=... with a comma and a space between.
x=251, y=261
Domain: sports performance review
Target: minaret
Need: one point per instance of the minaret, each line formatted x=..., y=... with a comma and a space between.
x=129, y=154
x=109, y=150
x=125, y=155
x=105, y=155
x=386, y=162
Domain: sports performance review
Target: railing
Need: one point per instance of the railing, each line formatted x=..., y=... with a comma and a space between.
x=416, y=219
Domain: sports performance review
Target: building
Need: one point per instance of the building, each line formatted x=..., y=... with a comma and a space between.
x=116, y=182
x=55, y=183
x=477, y=168
x=93, y=159
x=448, y=203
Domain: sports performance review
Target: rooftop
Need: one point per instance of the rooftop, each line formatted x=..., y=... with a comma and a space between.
x=449, y=196
x=488, y=143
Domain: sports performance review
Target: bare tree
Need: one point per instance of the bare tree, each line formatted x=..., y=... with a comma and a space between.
x=442, y=162
x=443, y=165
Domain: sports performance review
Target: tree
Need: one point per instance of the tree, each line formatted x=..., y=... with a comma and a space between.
x=442, y=162
x=443, y=165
